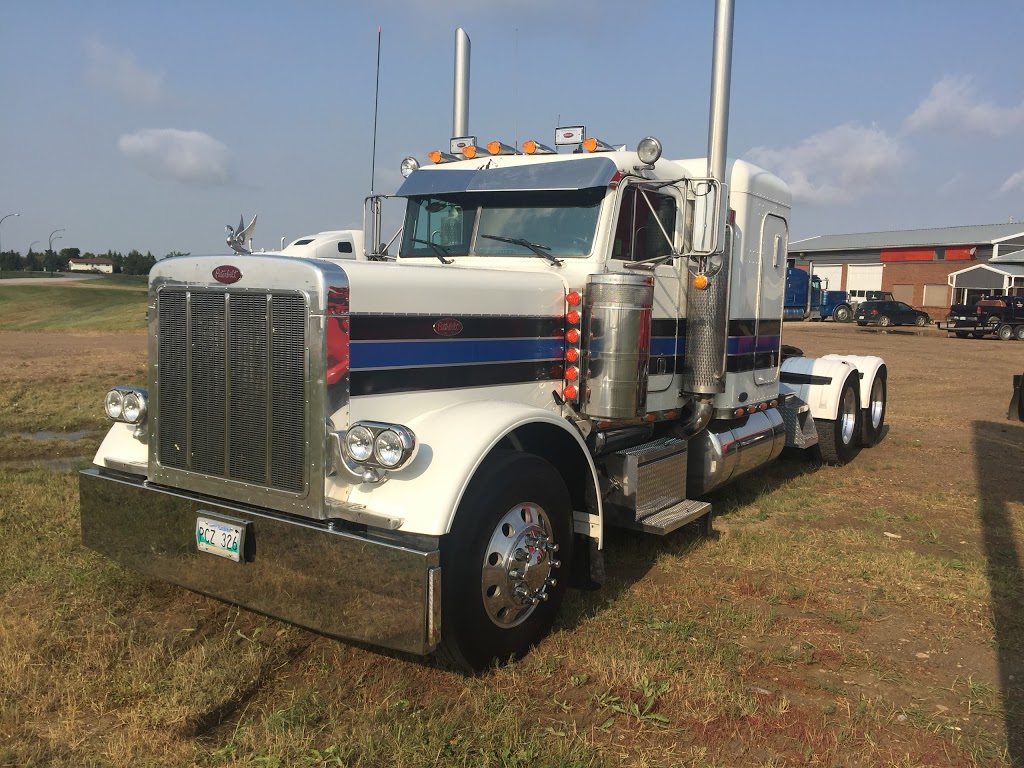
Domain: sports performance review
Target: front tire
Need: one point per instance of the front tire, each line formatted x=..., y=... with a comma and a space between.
x=839, y=439
x=842, y=314
x=920, y=322
x=502, y=583
x=874, y=410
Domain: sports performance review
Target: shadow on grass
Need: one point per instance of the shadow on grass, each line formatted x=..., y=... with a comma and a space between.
x=998, y=453
x=629, y=555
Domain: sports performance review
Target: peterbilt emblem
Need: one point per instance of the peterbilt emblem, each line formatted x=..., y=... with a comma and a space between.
x=227, y=274
x=448, y=327
x=567, y=135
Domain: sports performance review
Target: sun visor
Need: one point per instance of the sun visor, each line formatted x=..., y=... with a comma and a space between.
x=585, y=173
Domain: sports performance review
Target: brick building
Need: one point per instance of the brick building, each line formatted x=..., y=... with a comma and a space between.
x=927, y=268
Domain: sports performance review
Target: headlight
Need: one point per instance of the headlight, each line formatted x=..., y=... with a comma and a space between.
x=388, y=448
x=133, y=409
x=359, y=443
x=113, y=404
x=409, y=165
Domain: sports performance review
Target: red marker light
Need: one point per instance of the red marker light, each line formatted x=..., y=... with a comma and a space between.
x=572, y=355
x=573, y=299
x=572, y=317
x=571, y=374
x=572, y=335
x=569, y=393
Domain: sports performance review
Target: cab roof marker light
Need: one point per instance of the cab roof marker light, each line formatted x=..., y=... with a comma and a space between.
x=596, y=145
x=438, y=157
x=499, y=148
x=532, y=147
x=469, y=152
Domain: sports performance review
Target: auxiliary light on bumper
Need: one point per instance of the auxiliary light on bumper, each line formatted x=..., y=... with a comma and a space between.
x=368, y=449
x=126, y=404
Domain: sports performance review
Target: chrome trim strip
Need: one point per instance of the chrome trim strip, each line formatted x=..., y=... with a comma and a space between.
x=331, y=581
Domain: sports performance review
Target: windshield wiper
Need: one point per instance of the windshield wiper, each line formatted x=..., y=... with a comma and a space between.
x=439, y=250
x=540, y=250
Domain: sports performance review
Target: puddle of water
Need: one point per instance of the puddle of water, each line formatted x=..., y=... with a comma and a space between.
x=71, y=437
x=68, y=464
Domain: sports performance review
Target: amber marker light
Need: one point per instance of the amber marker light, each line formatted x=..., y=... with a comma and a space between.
x=700, y=282
x=469, y=152
x=529, y=147
x=435, y=156
x=590, y=144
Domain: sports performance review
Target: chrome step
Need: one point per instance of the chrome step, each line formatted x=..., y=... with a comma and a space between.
x=669, y=519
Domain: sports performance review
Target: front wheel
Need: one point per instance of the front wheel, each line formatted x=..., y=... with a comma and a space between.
x=874, y=410
x=839, y=439
x=502, y=579
x=885, y=321
x=842, y=313
x=920, y=321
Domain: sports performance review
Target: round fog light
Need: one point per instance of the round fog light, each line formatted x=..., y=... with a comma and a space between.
x=359, y=442
x=113, y=404
x=133, y=408
x=388, y=448
x=649, y=150
x=409, y=165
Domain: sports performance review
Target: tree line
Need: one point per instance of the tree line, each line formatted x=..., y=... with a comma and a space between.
x=132, y=263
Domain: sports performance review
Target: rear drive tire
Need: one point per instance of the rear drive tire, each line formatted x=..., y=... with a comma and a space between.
x=842, y=314
x=502, y=584
x=885, y=321
x=1004, y=332
x=920, y=321
x=874, y=410
x=861, y=323
x=1018, y=333
x=961, y=334
x=839, y=439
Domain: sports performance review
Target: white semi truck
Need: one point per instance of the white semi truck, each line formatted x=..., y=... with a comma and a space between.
x=422, y=455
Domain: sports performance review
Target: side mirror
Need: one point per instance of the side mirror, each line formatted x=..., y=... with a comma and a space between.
x=704, y=199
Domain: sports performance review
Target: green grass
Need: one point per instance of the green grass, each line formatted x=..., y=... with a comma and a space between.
x=71, y=309
x=12, y=274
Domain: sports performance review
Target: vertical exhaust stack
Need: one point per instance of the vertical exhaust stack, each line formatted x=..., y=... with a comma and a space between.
x=460, y=97
x=707, y=321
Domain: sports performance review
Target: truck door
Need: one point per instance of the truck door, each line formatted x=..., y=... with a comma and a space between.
x=770, y=287
x=645, y=216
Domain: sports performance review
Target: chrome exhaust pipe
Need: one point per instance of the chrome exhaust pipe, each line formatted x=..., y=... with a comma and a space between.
x=460, y=97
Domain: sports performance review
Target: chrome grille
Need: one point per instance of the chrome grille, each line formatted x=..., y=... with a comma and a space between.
x=231, y=376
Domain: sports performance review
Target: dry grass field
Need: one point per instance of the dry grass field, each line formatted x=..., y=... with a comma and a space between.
x=869, y=615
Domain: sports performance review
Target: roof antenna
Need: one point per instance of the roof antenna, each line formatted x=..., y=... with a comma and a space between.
x=376, y=97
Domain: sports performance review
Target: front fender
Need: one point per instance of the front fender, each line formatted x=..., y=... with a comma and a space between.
x=453, y=442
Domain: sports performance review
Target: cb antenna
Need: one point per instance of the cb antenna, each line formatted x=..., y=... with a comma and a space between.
x=376, y=97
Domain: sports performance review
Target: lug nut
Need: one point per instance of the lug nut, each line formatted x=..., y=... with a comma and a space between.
x=556, y=563
x=551, y=582
x=521, y=555
x=515, y=574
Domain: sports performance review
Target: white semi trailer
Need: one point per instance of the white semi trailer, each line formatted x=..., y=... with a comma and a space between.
x=424, y=454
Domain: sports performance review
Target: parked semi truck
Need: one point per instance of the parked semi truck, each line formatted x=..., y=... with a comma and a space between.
x=806, y=298
x=423, y=455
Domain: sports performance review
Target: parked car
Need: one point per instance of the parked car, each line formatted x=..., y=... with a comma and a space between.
x=886, y=313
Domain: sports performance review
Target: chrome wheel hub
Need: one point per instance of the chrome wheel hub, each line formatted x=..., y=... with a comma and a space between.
x=518, y=564
x=848, y=415
x=876, y=403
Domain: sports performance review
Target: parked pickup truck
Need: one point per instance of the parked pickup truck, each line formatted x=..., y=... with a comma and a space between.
x=999, y=316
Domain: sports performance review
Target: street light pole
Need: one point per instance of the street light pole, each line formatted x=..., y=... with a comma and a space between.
x=52, y=238
x=1, y=249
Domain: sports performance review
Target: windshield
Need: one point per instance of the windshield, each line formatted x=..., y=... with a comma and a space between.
x=562, y=223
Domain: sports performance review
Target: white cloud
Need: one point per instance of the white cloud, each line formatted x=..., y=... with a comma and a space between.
x=839, y=165
x=952, y=106
x=191, y=157
x=118, y=71
x=1016, y=181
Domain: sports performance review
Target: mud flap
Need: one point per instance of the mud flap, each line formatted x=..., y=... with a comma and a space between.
x=1016, y=409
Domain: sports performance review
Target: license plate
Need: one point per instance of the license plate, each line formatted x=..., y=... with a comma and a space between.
x=220, y=538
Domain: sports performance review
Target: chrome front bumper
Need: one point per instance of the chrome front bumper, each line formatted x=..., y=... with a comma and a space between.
x=334, y=582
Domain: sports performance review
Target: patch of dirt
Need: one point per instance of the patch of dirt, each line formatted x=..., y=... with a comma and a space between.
x=31, y=356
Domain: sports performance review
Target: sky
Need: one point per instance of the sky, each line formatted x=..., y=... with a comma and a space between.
x=152, y=125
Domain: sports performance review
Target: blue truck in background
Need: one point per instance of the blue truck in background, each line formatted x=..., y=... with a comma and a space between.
x=807, y=299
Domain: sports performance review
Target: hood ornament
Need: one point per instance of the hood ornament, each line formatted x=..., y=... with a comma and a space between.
x=240, y=240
